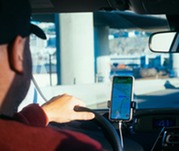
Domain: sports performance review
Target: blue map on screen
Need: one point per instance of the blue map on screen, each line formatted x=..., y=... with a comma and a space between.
x=121, y=99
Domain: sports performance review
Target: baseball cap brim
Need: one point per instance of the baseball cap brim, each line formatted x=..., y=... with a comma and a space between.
x=37, y=31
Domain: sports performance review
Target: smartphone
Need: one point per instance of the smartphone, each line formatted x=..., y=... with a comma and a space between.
x=121, y=97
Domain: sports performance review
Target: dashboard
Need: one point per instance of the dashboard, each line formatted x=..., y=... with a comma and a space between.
x=148, y=130
x=155, y=120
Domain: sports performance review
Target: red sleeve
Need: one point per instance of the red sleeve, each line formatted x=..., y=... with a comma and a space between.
x=32, y=115
x=79, y=141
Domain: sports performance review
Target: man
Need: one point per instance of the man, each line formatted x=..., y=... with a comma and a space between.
x=28, y=130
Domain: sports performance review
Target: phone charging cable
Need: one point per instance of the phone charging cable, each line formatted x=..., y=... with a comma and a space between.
x=121, y=136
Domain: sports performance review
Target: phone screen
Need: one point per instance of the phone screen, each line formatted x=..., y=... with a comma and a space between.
x=121, y=97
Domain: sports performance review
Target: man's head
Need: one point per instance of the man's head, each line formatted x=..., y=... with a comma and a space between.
x=15, y=59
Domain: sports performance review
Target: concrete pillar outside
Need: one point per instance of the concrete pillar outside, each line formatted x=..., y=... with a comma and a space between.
x=175, y=65
x=102, y=54
x=101, y=40
x=76, y=48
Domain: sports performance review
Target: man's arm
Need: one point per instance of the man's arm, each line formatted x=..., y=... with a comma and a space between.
x=59, y=109
x=32, y=115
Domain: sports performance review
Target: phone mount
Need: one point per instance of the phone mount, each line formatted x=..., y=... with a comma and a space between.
x=133, y=107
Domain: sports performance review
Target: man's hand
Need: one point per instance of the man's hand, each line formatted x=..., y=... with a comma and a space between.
x=61, y=109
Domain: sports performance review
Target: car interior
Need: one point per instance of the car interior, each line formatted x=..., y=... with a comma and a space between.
x=91, y=47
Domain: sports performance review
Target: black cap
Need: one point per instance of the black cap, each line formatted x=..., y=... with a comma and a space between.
x=15, y=19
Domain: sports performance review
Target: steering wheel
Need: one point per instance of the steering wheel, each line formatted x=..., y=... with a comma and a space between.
x=106, y=127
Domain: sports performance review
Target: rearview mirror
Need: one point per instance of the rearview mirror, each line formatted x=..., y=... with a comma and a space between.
x=166, y=42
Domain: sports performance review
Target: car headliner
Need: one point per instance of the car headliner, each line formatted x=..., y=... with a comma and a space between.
x=142, y=6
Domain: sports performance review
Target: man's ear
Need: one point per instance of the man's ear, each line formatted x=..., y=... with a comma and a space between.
x=17, y=54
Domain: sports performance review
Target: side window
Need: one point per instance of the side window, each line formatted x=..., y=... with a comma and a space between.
x=44, y=56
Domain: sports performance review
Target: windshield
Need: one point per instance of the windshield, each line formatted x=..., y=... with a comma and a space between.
x=83, y=51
